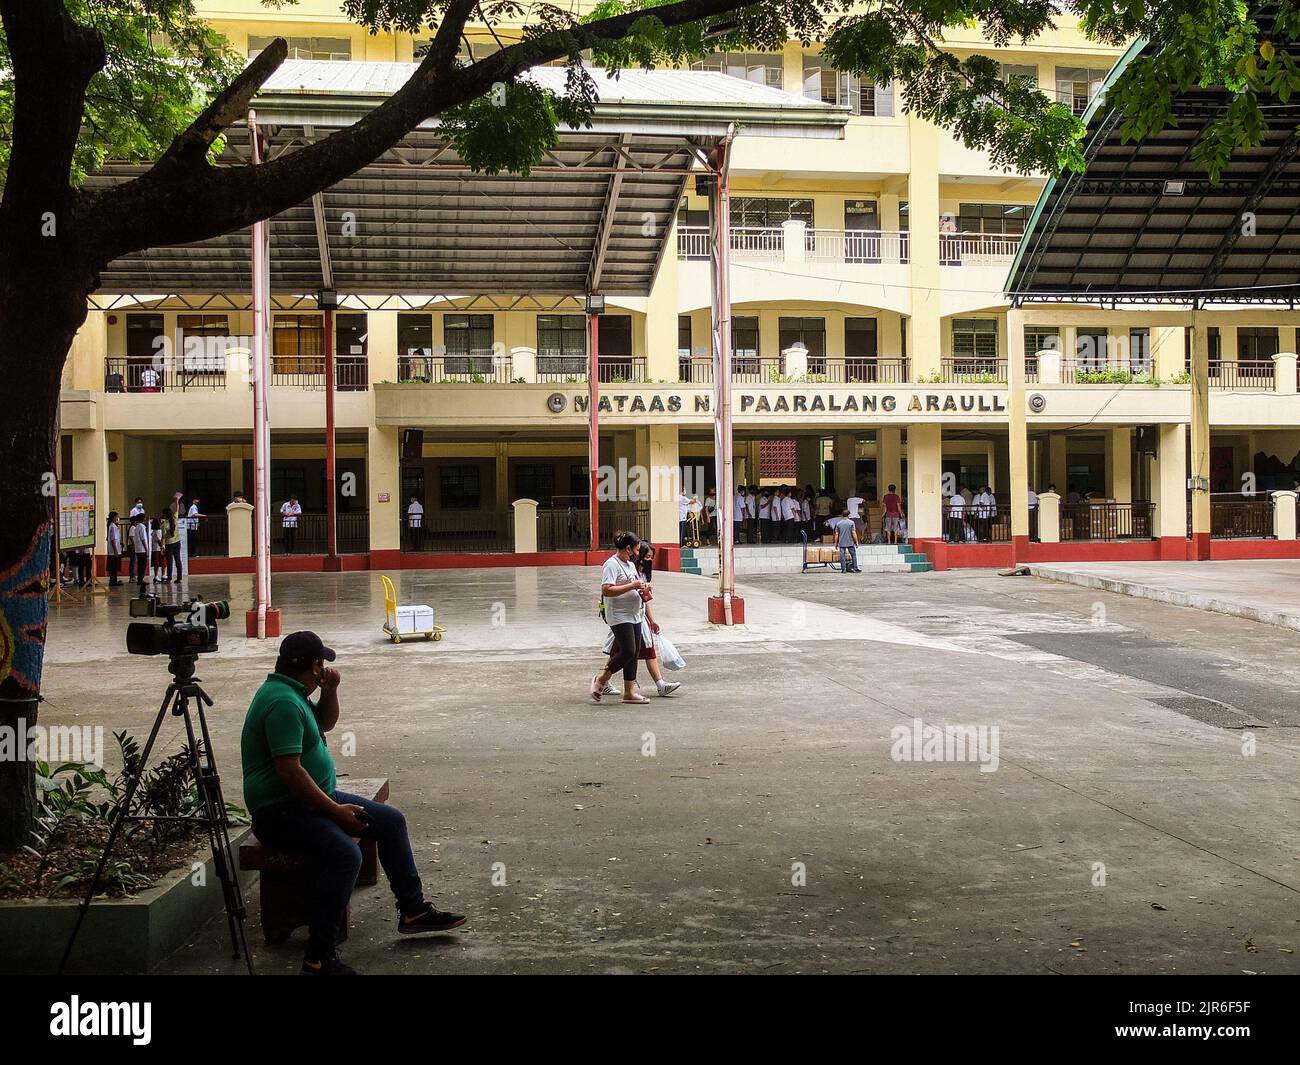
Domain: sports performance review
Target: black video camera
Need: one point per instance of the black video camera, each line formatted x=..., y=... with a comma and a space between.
x=188, y=628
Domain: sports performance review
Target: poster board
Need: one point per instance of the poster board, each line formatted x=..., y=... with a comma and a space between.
x=76, y=514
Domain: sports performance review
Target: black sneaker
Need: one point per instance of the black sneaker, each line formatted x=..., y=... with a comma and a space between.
x=331, y=966
x=430, y=919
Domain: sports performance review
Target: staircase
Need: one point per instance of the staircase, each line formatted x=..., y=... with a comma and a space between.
x=788, y=558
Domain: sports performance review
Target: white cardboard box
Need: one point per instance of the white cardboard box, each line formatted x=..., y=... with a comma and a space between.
x=414, y=619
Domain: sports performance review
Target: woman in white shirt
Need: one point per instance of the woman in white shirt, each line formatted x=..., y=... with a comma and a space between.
x=114, y=550
x=622, y=588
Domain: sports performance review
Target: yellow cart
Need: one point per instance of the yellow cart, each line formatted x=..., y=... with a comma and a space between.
x=407, y=620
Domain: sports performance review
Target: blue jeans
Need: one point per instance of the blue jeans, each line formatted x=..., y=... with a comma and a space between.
x=848, y=558
x=334, y=858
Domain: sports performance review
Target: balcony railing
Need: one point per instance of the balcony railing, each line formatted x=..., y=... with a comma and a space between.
x=1108, y=521
x=469, y=369
x=211, y=538
x=1239, y=519
x=163, y=373
x=827, y=369
x=857, y=246
x=1242, y=374
x=982, y=369
x=569, y=369
x=465, y=531
x=978, y=524
x=351, y=373
x=958, y=248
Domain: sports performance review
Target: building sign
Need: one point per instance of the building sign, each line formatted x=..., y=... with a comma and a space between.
x=76, y=514
x=745, y=402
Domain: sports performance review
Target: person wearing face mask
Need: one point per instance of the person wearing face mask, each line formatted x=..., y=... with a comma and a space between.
x=290, y=791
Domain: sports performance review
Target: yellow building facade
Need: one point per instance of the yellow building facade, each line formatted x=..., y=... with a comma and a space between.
x=871, y=346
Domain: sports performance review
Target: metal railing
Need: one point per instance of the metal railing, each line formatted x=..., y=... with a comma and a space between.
x=1240, y=519
x=756, y=370
x=1108, y=521
x=351, y=373
x=211, y=539
x=1101, y=371
x=163, y=373
x=311, y=536
x=828, y=369
x=982, y=369
x=464, y=531
x=1237, y=374
x=566, y=524
x=857, y=246
x=570, y=369
x=978, y=524
x=465, y=369
x=957, y=248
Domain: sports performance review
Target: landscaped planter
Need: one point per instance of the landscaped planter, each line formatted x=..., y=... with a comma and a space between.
x=118, y=935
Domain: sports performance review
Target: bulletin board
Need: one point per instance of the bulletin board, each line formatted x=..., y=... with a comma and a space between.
x=76, y=514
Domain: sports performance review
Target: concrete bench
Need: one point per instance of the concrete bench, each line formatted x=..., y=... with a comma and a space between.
x=283, y=875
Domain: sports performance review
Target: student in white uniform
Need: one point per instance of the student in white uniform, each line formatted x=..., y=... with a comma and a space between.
x=414, y=524
x=739, y=511
x=289, y=511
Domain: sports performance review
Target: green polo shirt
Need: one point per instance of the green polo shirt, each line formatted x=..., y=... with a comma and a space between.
x=281, y=721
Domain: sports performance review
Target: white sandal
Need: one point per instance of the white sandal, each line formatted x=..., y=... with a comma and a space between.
x=637, y=697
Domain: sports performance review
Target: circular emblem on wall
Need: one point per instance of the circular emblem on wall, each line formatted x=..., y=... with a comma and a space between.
x=556, y=402
x=1037, y=402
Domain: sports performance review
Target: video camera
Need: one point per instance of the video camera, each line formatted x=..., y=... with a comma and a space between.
x=188, y=628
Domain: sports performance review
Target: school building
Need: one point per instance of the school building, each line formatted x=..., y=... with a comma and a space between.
x=871, y=334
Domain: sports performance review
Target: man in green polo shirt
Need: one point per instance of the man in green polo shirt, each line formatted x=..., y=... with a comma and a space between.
x=289, y=788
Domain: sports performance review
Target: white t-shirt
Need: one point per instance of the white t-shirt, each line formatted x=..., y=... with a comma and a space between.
x=140, y=538
x=683, y=507
x=789, y=509
x=290, y=512
x=751, y=504
x=192, y=517
x=625, y=607
x=1033, y=498
x=853, y=504
x=415, y=515
x=764, y=507
x=956, y=505
x=739, y=510
x=114, y=539
x=805, y=509
x=138, y=508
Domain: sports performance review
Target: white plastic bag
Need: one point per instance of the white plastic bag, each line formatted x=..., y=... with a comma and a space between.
x=667, y=653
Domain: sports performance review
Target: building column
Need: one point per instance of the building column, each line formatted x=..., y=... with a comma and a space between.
x=808, y=460
x=1171, y=492
x=846, y=465
x=384, y=480
x=381, y=348
x=889, y=459
x=1058, y=463
x=1201, y=442
x=115, y=443
x=924, y=344
x=1119, y=464
x=90, y=463
x=501, y=480
x=753, y=461
x=662, y=457
x=925, y=482
x=1017, y=435
x=661, y=315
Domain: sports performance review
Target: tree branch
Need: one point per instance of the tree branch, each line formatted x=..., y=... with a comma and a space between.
x=229, y=107
x=157, y=209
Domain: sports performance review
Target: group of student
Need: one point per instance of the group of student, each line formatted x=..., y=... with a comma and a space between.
x=151, y=545
x=971, y=515
x=778, y=514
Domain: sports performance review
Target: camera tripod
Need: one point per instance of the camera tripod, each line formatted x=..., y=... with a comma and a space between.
x=183, y=690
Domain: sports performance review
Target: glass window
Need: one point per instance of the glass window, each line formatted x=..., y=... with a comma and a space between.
x=1076, y=86
x=335, y=48
x=562, y=335
x=1042, y=338
x=615, y=335
x=993, y=218
x=468, y=339
x=810, y=332
x=298, y=344
x=143, y=333
x=458, y=487
x=535, y=482
x=744, y=337
x=415, y=334
x=974, y=338
x=823, y=82
x=758, y=67
x=764, y=212
x=1139, y=350
x=1256, y=344
x=1091, y=349
x=201, y=341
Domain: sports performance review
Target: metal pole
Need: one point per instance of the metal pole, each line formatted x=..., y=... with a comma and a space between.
x=331, y=476
x=722, y=426
x=593, y=437
x=261, y=397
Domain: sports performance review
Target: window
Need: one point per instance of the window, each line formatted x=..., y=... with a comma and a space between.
x=1256, y=344
x=298, y=344
x=615, y=338
x=861, y=231
x=748, y=66
x=811, y=334
x=351, y=339
x=468, y=339
x=458, y=487
x=823, y=82
x=201, y=341
x=744, y=344
x=209, y=484
x=684, y=348
x=535, y=482
x=143, y=335
x=336, y=48
x=860, y=349
x=1010, y=71
x=1139, y=350
x=415, y=334
x=762, y=212
x=562, y=344
x=993, y=218
x=1091, y=349
x=1042, y=338
x=287, y=481
x=1076, y=86
x=974, y=338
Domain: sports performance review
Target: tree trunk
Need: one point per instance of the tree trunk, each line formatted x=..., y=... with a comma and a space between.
x=42, y=304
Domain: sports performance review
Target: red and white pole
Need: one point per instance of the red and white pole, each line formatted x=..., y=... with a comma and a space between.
x=593, y=424
x=331, y=472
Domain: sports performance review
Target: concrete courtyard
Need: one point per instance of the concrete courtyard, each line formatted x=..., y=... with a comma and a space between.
x=1125, y=829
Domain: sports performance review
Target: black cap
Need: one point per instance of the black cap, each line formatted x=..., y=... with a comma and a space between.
x=299, y=650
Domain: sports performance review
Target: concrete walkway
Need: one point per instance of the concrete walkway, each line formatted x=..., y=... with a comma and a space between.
x=1265, y=590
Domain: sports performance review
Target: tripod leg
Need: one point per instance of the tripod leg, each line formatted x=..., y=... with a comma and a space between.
x=123, y=810
x=224, y=861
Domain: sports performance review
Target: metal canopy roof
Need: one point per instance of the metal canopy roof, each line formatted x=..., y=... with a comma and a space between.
x=595, y=215
x=1119, y=232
